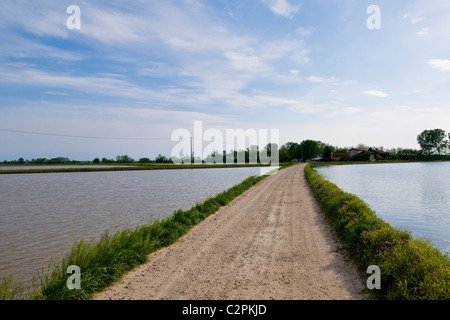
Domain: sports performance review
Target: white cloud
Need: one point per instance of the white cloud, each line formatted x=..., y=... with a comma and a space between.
x=112, y=26
x=375, y=93
x=282, y=7
x=304, y=32
x=316, y=79
x=440, y=64
x=416, y=19
x=247, y=61
x=423, y=32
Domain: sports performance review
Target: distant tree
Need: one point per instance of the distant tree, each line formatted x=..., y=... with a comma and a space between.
x=162, y=159
x=144, y=160
x=310, y=149
x=21, y=160
x=362, y=146
x=293, y=150
x=124, y=159
x=59, y=160
x=327, y=152
x=284, y=154
x=96, y=160
x=432, y=141
x=363, y=156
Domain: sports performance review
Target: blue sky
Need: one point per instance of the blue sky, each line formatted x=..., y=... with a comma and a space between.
x=142, y=69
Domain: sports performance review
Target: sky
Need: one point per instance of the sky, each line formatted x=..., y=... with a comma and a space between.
x=131, y=73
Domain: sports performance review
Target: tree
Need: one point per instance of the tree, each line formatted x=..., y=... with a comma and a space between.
x=162, y=159
x=104, y=160
x=310, y=149
x=284, y=154
x=124, y=159
x=327, y=153
x=363, y=156
x=293, y=150
x=432, y=141
x=96, y=160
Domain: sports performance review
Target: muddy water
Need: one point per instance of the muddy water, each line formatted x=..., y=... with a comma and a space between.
x=42, y=215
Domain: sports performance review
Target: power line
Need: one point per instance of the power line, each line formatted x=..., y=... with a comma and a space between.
x=77, y=136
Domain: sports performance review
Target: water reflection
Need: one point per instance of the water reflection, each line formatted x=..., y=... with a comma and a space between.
x=411, y=195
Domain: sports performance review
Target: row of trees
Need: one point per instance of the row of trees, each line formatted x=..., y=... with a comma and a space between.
x=126, y=159
x=57, y=160
x=434, y=144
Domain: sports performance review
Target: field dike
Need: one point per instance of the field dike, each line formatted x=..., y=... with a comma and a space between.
x=104, y=261
x=411, y=269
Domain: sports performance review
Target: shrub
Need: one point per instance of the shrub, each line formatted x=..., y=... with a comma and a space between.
x=362, y=156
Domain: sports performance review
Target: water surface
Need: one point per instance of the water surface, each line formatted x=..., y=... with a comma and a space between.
x=411, y=195
x=42, y=215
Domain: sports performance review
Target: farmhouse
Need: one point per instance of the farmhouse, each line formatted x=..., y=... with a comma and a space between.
x=374, y=154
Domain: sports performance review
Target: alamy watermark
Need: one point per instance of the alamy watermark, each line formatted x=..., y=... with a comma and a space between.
x=73, y=281
x=374, y=281
x=374, y=21
x=213, y=146
x=73, y=22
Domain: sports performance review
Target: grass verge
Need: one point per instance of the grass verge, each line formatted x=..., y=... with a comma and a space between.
x=106, y=260
x=411, y=269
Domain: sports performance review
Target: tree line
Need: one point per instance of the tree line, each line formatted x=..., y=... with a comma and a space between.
x=434, y=145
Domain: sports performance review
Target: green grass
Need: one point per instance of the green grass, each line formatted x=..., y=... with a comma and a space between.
x=411, y=269
x=104, y=261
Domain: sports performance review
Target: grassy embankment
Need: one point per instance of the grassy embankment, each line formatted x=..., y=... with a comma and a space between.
x=105, y=261
x=411, y=269
x=125, y=167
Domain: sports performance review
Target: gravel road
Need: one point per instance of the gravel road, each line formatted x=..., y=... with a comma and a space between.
x=271, y=242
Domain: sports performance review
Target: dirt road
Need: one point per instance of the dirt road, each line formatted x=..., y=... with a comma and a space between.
x=272, y=242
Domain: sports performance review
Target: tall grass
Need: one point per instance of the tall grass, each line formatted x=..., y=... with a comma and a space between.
x=411, y=269
x=104, y=261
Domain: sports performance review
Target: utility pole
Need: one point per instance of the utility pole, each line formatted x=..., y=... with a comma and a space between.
x=192, y=151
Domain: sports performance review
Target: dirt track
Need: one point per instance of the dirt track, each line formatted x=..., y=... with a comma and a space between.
x=269, y=243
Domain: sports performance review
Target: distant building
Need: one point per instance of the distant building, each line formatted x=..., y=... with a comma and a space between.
x=339, y=155
x=373, y=153
x=354, y=151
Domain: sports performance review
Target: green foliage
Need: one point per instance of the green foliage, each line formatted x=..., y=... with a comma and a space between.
x=363, y=156
x=432, y=141
x=310, y=149
x=124, y=159
x=410, y=268
x=10, y=289
x=327, y=152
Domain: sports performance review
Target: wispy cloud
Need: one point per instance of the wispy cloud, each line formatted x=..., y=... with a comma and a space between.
x=282, y=7
x=440, y=64
x=376, y=93
x=423, y=32
x=417, y=19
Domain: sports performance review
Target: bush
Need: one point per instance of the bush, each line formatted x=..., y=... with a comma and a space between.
x=362, y=156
